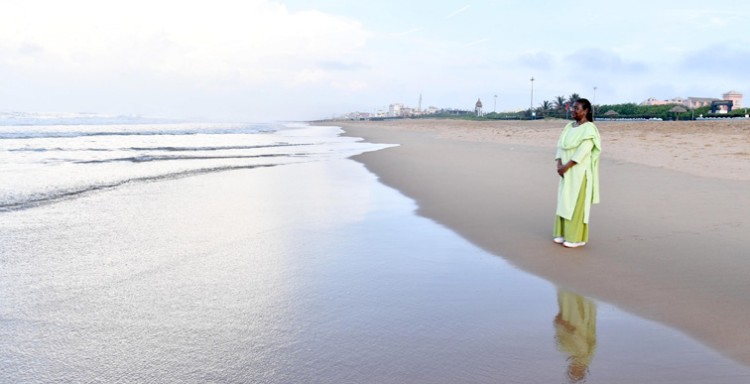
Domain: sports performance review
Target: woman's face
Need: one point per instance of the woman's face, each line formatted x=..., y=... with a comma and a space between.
x=577, y=112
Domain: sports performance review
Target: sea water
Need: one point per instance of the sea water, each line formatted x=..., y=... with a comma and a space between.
x=192, y=253
x=46, y=163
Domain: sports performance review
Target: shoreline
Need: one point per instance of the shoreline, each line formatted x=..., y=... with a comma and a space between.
x=667, y=242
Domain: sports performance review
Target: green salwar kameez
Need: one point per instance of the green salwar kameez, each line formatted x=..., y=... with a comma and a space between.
x=574, y=230
x=579, y=187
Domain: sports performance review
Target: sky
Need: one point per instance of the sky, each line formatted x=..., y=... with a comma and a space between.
x=263, y=60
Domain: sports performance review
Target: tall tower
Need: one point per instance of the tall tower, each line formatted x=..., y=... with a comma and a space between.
x=419, y=106
x=478, y=108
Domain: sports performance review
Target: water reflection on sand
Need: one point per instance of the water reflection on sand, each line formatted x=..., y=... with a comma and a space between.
x=575, y=332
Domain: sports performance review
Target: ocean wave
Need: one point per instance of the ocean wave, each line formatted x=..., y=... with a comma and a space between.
x=79, y=118
x=156, y=149
x=52, y=132
x=148, y=158
x=42, y=170
x=37, y=200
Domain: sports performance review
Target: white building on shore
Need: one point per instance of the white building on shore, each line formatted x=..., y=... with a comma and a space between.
x=395, y=109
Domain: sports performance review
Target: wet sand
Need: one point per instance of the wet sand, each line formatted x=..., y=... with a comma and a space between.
x=668, y=243
x=316, y=272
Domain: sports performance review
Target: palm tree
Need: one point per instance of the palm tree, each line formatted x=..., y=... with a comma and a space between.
x=573, y=98
x=560, y=102
x=546, y=105
x=543, y=108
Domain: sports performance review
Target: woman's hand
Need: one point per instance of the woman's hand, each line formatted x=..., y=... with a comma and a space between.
x=561, y=169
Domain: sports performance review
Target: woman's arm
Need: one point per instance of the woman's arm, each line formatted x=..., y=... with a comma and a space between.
x=561, y=169
x=581, y=153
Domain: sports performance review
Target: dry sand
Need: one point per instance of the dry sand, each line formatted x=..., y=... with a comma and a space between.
x=669, y=242
x=704, y=148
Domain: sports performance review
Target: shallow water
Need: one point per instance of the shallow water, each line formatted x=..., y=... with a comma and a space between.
x=309, y=272
x=48, y=163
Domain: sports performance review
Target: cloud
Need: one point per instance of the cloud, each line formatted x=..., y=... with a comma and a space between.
x=341, y=65
x=351, y=86
x=477, y=42
x=537, y=60
x=249, y=41
x=406, y=32
x=718, y=60
x=599, y=61
x=458, y=11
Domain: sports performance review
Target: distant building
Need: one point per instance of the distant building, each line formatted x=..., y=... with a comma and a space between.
x=395, y=110
x=653, y=101
x=680, y=100
x=735, y=97
x=696, y=102
x=356, y=116
x=676, y=100
x=478, y=108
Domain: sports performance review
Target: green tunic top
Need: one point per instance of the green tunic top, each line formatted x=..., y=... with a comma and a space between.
x=583, y=145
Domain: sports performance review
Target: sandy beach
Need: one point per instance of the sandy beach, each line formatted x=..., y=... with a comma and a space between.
x=668, y=242
x=197, y=253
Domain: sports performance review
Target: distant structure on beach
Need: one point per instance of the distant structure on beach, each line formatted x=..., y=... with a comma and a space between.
x=735, y=97
x=396, y=109
x=478, y=108
x=729, y=100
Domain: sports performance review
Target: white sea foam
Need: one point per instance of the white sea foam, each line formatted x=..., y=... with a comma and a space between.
x=46, y=163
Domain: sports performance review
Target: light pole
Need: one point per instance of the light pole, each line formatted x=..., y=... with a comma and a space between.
x=531, y=106
x=593, y=106
x=494, y=107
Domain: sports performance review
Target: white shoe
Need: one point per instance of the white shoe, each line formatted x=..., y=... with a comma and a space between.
x=568, y=244
x=559, y=240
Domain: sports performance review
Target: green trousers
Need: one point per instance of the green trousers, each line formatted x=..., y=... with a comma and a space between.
x=574, y=230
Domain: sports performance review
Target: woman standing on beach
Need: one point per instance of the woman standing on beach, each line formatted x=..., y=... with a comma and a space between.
x=577, y=157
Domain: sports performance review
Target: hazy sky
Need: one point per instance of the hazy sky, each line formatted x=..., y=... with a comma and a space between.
x=263, y=60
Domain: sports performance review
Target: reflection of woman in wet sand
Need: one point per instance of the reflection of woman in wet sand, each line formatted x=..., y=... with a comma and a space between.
x=575, y=334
